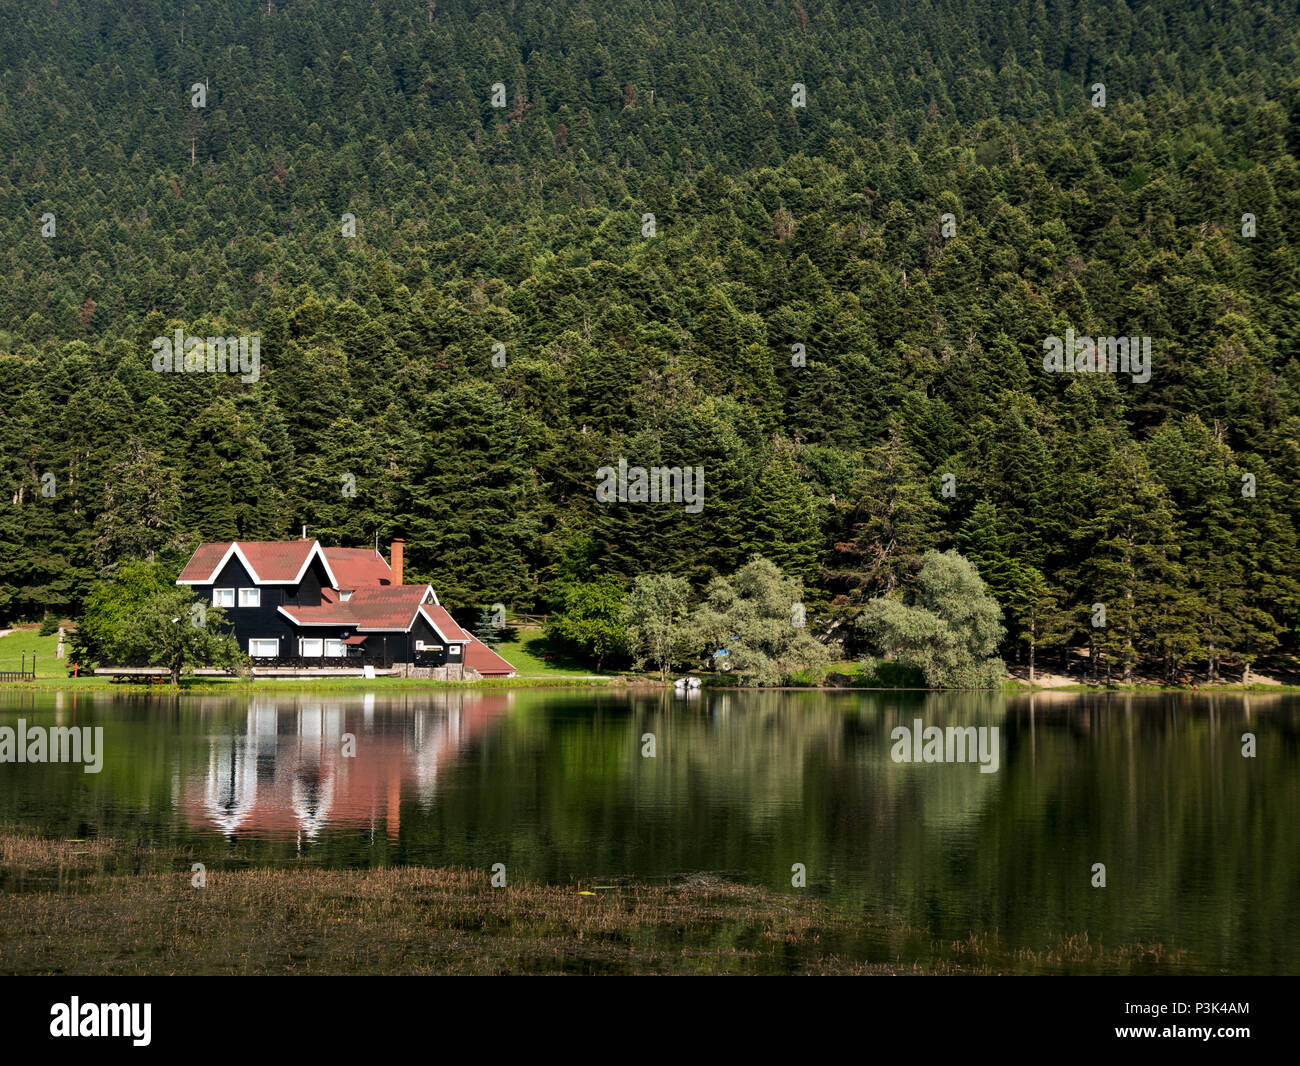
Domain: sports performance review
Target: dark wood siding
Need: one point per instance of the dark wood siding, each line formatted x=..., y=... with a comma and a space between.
x=392, y=646
x=264, y=622
x=307, y=592
x=421, y=630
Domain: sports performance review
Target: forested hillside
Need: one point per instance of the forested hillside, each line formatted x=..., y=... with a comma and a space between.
x=838, y=310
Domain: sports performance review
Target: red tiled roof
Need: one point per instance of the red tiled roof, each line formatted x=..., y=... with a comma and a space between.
x=203, y=561
x=276, y=560
x=358, y=567
x=332, y=614
x=380, y=607
x=270, y=560
x=446, y=624
x=387, y=606
x=478, y=656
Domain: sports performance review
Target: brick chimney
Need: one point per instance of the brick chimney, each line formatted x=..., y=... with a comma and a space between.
x=395, y=560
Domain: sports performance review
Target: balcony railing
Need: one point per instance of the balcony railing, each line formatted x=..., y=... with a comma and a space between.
x=24, y=673
x=321, y=662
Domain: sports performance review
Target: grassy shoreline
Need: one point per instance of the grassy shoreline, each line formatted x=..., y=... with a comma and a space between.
x=92, y=907
x=535, y=671
x=235, y=686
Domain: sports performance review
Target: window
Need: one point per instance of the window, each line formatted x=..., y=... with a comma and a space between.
x=311, y=647
x=264, y=649
x=250, y=597
x=455, y=649
x=334, y=649
x=420, y=645
x=223, y=597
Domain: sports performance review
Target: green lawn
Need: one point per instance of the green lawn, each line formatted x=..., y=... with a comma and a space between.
x=526, y=650
x=26, y=640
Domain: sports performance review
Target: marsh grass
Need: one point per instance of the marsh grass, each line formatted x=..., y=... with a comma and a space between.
x=104, y=907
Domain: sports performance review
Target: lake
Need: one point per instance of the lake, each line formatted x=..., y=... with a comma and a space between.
x=1199, y=843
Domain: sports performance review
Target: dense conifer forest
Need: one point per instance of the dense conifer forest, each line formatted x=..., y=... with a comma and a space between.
x=815, y=248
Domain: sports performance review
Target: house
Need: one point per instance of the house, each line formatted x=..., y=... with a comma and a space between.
x=299, y=607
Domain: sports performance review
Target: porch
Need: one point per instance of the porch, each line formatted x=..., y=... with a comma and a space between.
x=319, y=662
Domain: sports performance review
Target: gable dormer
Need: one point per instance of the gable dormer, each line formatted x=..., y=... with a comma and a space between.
x=234, y=573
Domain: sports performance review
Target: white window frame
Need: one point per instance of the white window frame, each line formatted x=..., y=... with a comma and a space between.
x=335, y=649
x=250, y=597
x=218, y=595
x=454, y=649
x=272, y=641
x=304, y=642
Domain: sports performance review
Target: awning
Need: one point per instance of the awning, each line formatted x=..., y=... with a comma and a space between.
x=355, y=640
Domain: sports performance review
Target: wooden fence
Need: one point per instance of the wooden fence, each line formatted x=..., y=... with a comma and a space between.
x=527, y=619
x=24, y=673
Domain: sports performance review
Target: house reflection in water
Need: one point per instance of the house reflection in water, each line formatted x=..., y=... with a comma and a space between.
x=285, y=776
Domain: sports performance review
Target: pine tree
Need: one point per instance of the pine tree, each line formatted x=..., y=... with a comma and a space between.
x=485, y=629
x=894, y=521
x=782, y=525
x=1130, y=560
x=141, y=509
x=1035, y=606
x=468, y=513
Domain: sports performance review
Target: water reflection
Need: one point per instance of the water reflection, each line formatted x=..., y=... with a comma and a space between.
x=1198, y=840
x=299, y=766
